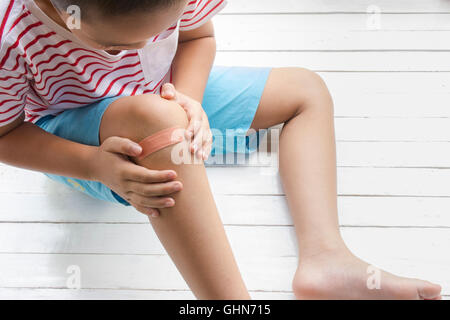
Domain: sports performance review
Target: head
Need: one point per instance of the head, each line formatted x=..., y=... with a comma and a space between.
x=119, y=24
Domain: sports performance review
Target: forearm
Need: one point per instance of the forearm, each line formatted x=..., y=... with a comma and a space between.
x=30, y=147
x=192, y=65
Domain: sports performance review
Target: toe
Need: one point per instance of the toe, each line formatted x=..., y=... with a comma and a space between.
x=429, y=291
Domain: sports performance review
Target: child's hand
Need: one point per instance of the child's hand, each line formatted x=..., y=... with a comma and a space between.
x=144, y=189
x=198, y=121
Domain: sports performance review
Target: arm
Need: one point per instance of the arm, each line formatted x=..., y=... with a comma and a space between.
x=194, y=59
x=191, y=67
x=43, y=151
x=26, y=145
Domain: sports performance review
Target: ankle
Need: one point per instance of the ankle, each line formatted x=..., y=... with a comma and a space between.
x=310, y=250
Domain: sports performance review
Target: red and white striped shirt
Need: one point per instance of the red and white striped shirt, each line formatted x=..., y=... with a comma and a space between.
x=44, y=69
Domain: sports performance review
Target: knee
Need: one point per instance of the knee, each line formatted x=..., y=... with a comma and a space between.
x=147, y=114
x=313, y=93
x=138, y=117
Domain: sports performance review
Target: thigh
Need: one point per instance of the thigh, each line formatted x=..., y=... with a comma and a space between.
x=80, y=125
x=285, y=92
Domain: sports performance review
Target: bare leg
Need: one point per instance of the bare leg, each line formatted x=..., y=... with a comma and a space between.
x=191, y=231
x=327, y=269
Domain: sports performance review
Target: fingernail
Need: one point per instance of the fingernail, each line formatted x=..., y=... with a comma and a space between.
x=177, y=187
x=169, y=203
x=136, y=148
x=172, y=175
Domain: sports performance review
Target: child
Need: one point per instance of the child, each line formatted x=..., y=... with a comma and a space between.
x=84, y=82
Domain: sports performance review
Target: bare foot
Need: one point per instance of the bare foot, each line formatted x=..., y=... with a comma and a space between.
x=338, y=274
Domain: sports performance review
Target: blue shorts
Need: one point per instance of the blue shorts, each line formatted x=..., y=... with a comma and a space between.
x=230, y=100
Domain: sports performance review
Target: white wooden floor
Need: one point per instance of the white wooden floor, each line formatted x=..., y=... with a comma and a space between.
x=390, y=78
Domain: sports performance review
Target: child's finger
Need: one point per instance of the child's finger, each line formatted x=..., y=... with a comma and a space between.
x=150, y=212
x=122, y=145
x=207, y=145
x=200, y=138
x=153, y=202
x=197, y=143
x=154, y=189
x=168, y=91
x=194, y=126
x=189, y=133
x=141, y=174
x=206, y=151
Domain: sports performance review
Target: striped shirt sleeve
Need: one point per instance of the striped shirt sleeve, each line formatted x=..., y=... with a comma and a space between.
x=14, y=87
x=6, y=7
x=14, y=84
x=199, y=12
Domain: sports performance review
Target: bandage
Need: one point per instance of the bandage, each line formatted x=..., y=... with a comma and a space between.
x=161, y=140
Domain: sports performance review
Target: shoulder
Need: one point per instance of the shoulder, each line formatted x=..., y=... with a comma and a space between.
x=198, y=12
x=10, y=11
x=194, y=6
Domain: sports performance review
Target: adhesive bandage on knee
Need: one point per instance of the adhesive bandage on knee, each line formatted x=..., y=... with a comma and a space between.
x=161, y=140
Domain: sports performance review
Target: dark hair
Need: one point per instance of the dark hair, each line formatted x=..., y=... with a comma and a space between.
x=115, y=7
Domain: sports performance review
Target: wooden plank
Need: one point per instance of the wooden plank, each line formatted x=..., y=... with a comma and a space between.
x=104, y=294
x=128, y=272
x=131, y=272
x=273, y=241
x=264, y=181
x=388, y=82
x=415, y=104
x=108, y=294
x=140, y=239
x=320, y=40
x=323, y=61
x=394, y=211
x=403, y=95
x=294, y=22
x=393, y=154
x=394, y=181
x=351, y=181
x=75, y=207
x=330, y=6
x=332, y=32
x=392, y=129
